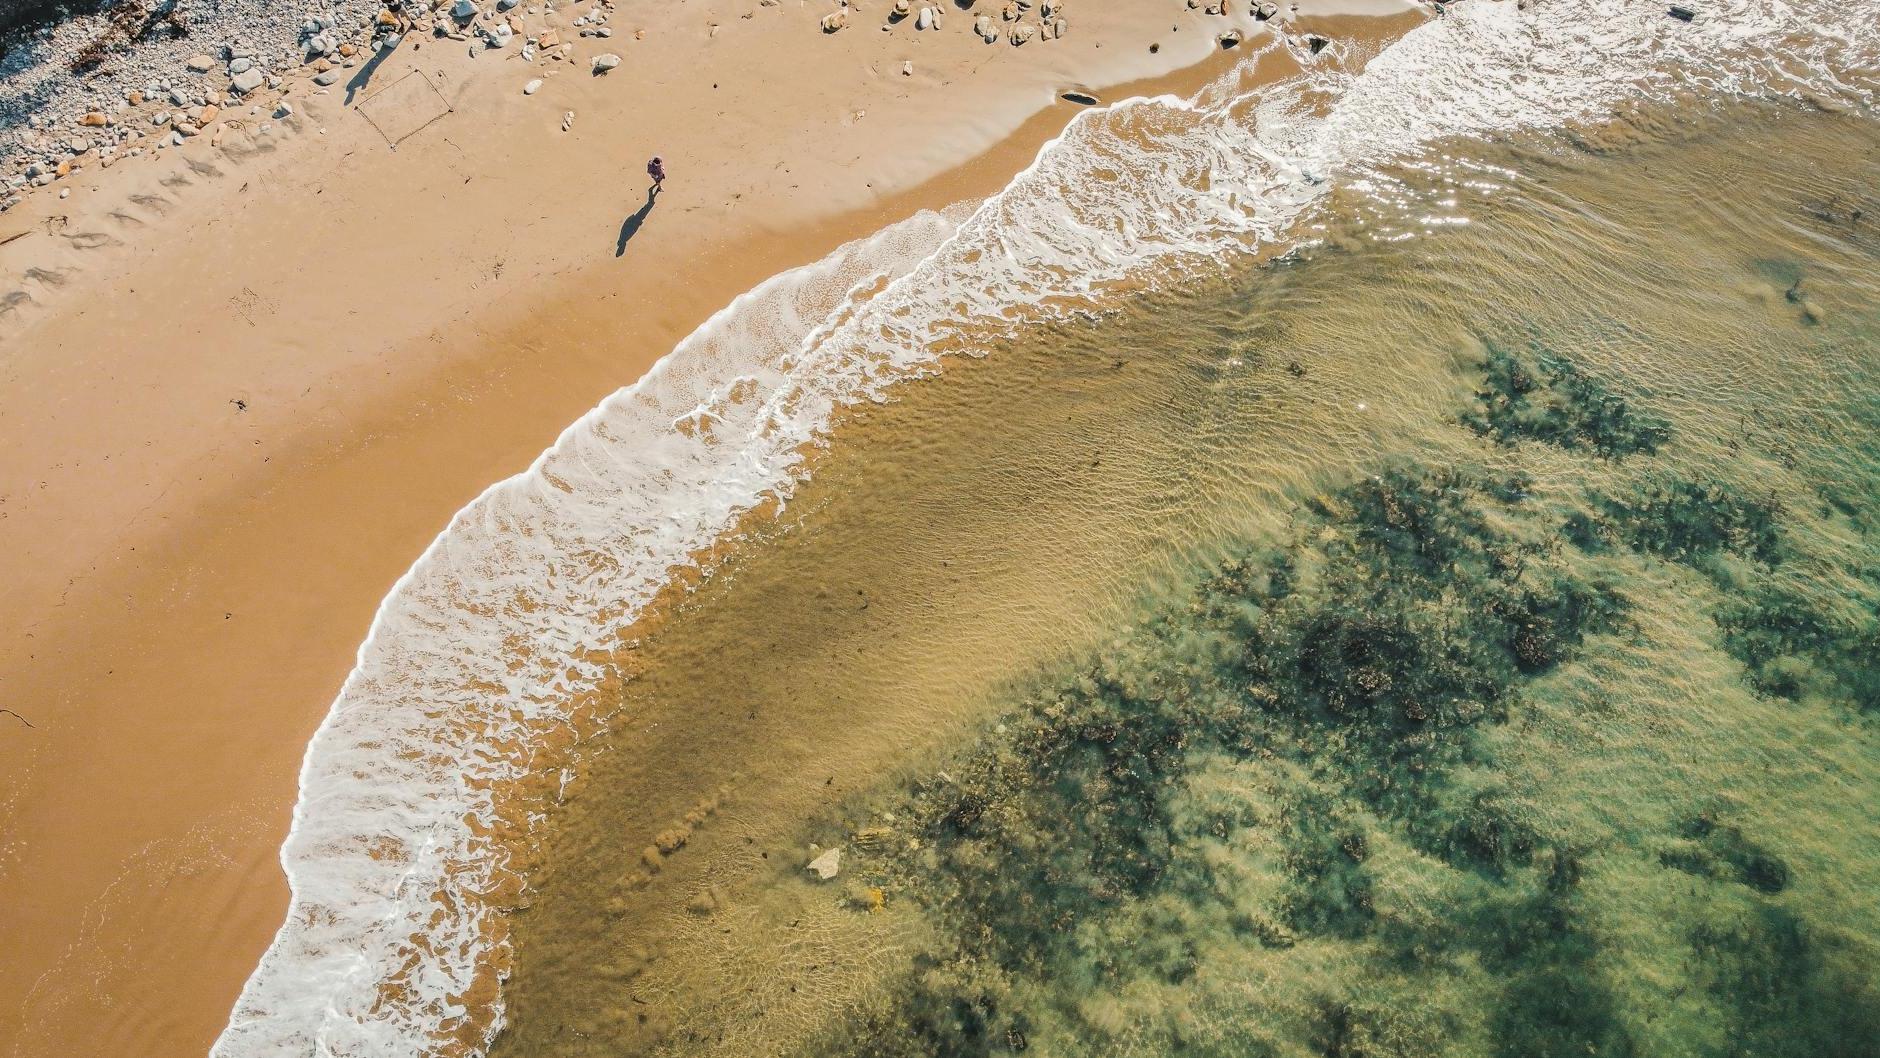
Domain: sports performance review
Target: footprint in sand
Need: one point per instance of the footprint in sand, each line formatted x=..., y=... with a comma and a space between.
x=91, y=240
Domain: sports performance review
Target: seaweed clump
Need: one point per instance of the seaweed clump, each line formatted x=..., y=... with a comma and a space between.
x=1537, y=395
x=1298, y=760
x=1686, y=521
x=1078, y=852
x=1797, y=644
x=1785, y=989
x=1718, y=850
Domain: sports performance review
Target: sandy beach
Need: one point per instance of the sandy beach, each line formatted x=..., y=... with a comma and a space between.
x=251, y=379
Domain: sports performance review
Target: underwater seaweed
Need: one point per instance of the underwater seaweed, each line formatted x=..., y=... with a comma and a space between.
x=1537, y=395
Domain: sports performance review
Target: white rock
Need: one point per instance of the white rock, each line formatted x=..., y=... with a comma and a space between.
x=827, y=865
x=835, y=20
x=907, y=68
x=246, y=81
x=567, y=120
x=197, y=64
x=177, y=98
x=65, y=192
x=604, y=63
x=463, y=10
x=500, y=35
x=240, y=66
x=926, y=19
x=983, y=26
x=532, y=87
x=284, y=111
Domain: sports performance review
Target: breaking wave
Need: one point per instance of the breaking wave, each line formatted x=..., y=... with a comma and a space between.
x=417, y=794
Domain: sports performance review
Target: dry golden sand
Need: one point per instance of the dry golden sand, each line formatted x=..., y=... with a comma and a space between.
x=186, y=580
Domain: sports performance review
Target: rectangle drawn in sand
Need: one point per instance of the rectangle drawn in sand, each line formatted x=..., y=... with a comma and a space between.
x=404, y=108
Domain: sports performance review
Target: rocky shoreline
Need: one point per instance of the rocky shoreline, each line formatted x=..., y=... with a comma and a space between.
x=151, y=75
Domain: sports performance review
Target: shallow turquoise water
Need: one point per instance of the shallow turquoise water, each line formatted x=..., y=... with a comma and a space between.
x=1451, y=644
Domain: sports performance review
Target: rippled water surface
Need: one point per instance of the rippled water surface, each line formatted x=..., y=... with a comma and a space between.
x=1455, y=637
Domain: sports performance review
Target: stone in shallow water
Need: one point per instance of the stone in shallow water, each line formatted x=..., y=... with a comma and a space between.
x=827, y=865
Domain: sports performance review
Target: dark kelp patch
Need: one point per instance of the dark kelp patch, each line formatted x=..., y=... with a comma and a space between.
x=1245, y=769
x=1537, y=395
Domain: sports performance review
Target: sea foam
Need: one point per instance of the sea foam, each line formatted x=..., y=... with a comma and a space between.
x=403, y=852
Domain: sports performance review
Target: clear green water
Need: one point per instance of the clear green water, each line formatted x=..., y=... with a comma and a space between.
x=1455, y=645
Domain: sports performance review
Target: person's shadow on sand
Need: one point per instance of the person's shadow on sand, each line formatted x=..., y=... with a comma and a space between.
x=365, y=73
x=631, y=226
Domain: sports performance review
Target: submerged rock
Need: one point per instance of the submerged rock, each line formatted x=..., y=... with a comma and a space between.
x=827, y=865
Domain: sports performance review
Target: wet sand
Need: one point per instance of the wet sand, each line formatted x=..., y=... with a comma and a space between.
x=188, y=576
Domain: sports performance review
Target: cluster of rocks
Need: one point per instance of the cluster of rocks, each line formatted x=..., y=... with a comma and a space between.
x=93, y=64
x=154, y=115
x=159, y=93
x=1258, y=10
x=1016, y=21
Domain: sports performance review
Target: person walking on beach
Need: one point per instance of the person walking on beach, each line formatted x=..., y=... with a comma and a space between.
x=657, y=170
